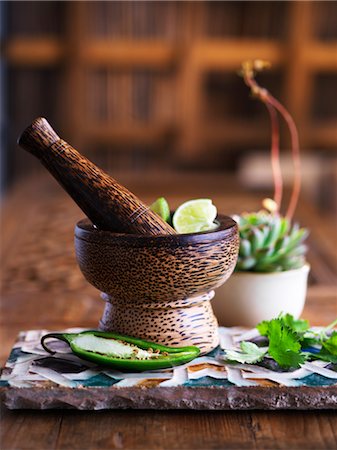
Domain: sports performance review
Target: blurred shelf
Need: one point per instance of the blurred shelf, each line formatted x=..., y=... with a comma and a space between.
x=178, y=94
x=228, y=54
x=115, y=53
x=33, y=51
x=321, y=57
x=225, y=54
x=135, y=134
x=118, y=53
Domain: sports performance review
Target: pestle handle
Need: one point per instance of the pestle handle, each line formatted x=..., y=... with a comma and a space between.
x=38, y=137
x=108, y=204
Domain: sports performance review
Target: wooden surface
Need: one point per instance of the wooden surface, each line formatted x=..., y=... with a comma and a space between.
x=43, y=288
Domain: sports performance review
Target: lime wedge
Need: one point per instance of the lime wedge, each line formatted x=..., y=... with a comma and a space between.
x=210, y=227
x=161, y=207
x=194, y=216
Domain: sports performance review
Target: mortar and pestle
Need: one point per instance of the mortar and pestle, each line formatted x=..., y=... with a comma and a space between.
x=157, y=284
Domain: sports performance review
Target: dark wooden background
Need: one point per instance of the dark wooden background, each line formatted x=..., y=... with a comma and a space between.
x=153, y=86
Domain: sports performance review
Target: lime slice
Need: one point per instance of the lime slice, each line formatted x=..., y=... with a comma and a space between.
x=194, y=216
x=161, y=207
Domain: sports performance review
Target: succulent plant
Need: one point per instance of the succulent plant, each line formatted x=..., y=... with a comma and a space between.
x=269, y=243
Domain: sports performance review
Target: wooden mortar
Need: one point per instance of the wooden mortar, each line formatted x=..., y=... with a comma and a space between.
x=159, y=287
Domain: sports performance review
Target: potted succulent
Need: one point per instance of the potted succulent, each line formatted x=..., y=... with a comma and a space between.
x=271, y=272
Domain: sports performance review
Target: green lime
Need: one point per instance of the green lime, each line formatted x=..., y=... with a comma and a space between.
x=210, y=227
x=194, y=216
x=161, y=207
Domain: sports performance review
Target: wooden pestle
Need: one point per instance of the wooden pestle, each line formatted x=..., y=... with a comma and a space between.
x=108, y=204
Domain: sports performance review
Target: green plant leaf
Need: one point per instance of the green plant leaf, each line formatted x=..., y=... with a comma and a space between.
x=282, y=243
x=285, y=225
x=323, y=356
x=262, y=254
x=287, y=338
x=252, y=219
x=296, y=325
x=265, y=232
x=247, y=263
x=328, y=352
x=263, y=327
x=291, y=263
x=271, y=241
x=298, y=251
x=284, y=345
x=330, y=345
x=257, y=239
x=296, y=237
x=245, y=247
x=250, y=353
x=309, y=342
x=275, y=227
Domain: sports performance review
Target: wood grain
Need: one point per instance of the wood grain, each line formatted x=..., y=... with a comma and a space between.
x=36, y=303
x=168, y=430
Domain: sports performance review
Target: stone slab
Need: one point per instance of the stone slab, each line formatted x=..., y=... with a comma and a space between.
x=33, y=379
x=202, y=398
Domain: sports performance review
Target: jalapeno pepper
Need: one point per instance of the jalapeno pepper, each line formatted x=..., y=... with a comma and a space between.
x=123, y=352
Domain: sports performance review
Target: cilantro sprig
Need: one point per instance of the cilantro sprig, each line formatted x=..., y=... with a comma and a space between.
x=291, y=343
x=250, y=353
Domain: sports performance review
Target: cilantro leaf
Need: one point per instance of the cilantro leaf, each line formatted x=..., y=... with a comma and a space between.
x=250, y=353
x=323, y=356
x=284, y=345
x=309, y=341
x=297, y=325
x=287, y=337
x=262, y=327
x=330, y=345
x=328, y=351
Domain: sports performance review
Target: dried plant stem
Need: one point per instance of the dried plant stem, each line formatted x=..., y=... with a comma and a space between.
x=275, y=155
x=295, y=146
x=275, y=138
x=249, y=68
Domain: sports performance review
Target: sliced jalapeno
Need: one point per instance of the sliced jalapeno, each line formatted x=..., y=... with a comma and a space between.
x=123, y=352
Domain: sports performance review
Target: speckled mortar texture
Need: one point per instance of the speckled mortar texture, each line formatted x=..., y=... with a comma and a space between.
x=159, y=287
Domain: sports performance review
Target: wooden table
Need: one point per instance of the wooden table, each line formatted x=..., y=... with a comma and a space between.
x=43, y=288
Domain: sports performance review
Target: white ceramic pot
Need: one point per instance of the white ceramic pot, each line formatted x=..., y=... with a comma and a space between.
x=247, y=298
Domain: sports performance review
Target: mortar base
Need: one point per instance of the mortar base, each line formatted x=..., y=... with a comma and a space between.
x=175, y=323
